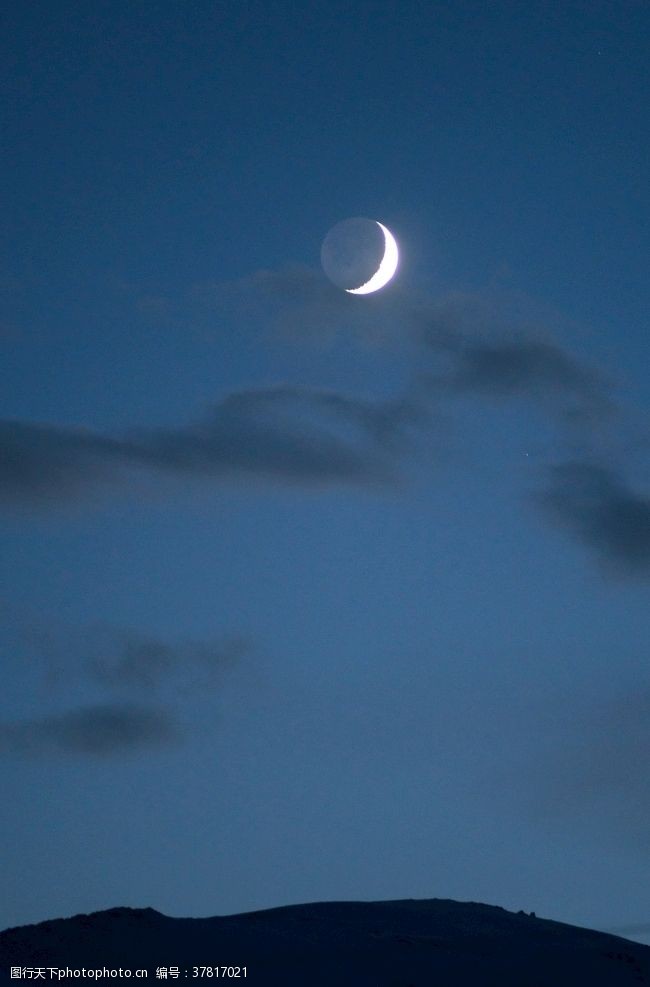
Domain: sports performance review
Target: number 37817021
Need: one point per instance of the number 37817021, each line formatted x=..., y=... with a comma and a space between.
x=219, y=972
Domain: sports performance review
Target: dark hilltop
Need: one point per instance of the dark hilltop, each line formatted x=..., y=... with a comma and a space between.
x=408, y=943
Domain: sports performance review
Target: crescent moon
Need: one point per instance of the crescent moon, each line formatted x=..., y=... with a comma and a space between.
x=386, y=269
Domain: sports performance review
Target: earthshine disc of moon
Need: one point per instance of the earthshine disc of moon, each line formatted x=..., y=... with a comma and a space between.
x=360, y=255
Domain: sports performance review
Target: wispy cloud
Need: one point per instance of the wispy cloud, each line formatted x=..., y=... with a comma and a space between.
x=129, y=662
x=488, y=350
x=309, y=437
x=299, y=302
x=472, y=346
x=485, y=353
x=292, y=435
x=124, y=687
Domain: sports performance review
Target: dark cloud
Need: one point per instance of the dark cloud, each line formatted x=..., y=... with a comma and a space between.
x=465, y=345
x=99, y=731
x=526, y=366
x=487, y=354
x=289, y=433
x=303, y=442
x=596, y=504
x=43, y=462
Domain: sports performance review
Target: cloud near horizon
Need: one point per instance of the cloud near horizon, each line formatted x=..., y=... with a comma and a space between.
x=128, y=662
x=597, y=765
x=98, y=730
x=135, y=678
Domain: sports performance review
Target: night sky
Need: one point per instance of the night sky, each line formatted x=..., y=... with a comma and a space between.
x=307, y=595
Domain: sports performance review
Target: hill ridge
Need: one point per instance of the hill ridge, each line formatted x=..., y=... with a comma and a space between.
x=406, y=942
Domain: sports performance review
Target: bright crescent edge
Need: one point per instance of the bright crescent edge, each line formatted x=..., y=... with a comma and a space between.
x=387, y=266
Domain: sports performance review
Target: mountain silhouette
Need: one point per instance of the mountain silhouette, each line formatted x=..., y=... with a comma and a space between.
x=408, y=943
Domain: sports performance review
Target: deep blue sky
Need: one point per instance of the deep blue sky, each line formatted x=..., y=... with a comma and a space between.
x=307, y=596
